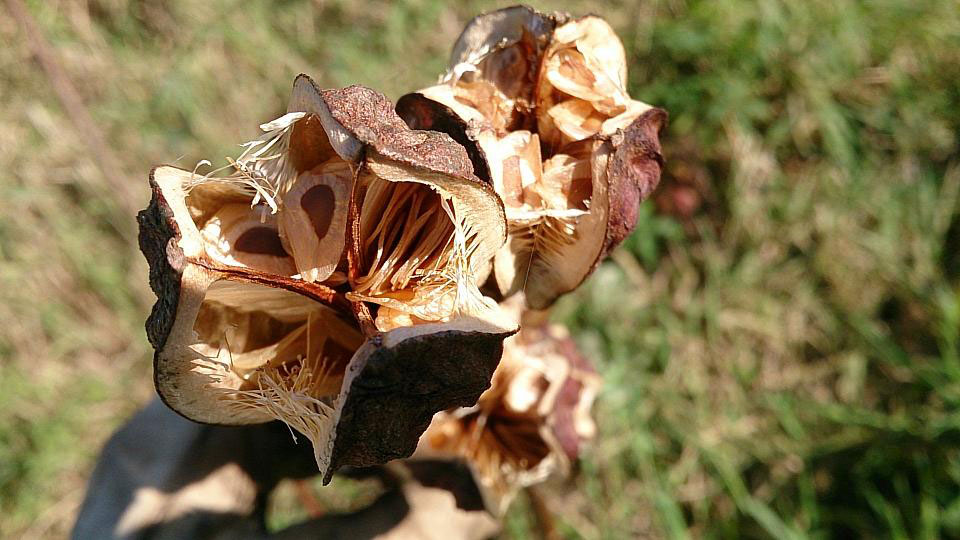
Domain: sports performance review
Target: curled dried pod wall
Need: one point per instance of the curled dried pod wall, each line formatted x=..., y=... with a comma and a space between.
x=278, y=297
x=541, y=101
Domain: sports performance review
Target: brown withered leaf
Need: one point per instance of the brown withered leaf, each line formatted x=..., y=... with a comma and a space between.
x=271, y=303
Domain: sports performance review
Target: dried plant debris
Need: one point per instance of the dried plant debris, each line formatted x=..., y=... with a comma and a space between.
x=330, y=276
x=542, y=100
x=327, y=278
x=530, y=424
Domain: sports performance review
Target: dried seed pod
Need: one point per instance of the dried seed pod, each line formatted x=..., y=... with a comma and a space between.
x=599, y=148
x=573, y=423
x=241, y=341
x=530, y=424
x=425, y=227
x=553, y=248
x=504, y=48
x=581, y=90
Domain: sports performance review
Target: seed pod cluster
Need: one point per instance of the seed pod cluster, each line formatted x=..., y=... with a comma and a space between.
x=330, y=280
x=330, y=276
x=541, y=102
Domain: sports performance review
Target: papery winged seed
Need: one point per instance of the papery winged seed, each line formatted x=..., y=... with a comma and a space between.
x=313, y=219
x=568, y=71
x=566, y=184
x=576, y=119
x=515, y=167
x=238, y=235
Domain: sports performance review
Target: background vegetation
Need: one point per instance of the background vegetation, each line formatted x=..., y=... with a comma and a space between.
x=780, y=335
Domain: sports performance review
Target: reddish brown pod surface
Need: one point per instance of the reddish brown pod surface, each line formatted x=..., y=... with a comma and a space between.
x=327, y=279
x=533, y=421
x=540, y=103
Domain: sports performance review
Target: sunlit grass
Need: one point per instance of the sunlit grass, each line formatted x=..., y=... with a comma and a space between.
x=779, y=337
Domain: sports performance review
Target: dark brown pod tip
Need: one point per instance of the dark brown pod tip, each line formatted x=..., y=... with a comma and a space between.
x=370, y=117
x=158, y=241
x=394, y=389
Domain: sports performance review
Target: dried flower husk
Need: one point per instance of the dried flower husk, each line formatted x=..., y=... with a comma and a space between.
x=582, y=85
x=532, y=422
x=531, y=87
x=425, y=227
x=499, y=54
x=284, y=329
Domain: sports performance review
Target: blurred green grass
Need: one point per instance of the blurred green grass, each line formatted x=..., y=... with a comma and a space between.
x=779, y=337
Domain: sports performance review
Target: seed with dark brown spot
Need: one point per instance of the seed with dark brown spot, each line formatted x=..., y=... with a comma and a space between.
x=318, y=202
x=261, y=241
x=513, y=186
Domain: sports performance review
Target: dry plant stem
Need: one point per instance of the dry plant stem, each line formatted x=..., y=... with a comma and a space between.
x=361, y=311
x=546, y=526
x=315, y=291
x=79, y=115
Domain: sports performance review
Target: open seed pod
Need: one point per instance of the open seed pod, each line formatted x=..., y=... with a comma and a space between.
x=328, y=281
x=530, y=424
x=424, y=228
x=542, y=100
x=496, y=62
